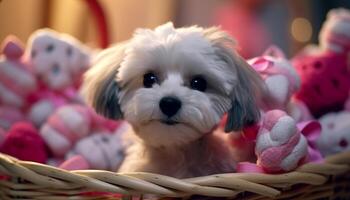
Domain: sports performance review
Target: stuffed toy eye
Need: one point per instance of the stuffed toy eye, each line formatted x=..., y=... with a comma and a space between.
x=33, y=53
x=149, y=79
x=199, y=83
x=69, y=51
x=343, y=143
x=105, y=139
x=50, y=48
x=55, y=69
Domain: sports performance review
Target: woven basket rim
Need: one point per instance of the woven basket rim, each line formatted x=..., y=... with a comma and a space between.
x=140, y=183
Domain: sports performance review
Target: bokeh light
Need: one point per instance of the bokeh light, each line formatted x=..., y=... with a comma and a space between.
x=301, y=29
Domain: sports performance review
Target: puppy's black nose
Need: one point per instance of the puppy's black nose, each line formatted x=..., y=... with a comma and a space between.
x=169, y=105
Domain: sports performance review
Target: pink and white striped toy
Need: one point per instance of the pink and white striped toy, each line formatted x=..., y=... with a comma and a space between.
x=279, y=146
x=16, y=82
x=69, y=124
x=16, y=79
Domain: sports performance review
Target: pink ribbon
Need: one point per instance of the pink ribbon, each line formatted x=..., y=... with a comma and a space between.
x=76, y=162
x=266, y=68
x=311, y=130
x=248, y=167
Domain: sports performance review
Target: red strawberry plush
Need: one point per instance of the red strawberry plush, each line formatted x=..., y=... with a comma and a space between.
x=325, y=81
x=325, y=77
x=23, y=141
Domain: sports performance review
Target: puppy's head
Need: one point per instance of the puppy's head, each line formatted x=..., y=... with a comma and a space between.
x=174, y=85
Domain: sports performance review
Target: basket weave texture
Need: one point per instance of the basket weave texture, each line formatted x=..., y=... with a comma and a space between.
x=29, y=180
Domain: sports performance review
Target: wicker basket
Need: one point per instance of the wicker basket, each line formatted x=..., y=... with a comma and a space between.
x=29, y=180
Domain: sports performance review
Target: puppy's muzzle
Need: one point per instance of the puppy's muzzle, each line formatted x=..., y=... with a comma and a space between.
x=169, y=106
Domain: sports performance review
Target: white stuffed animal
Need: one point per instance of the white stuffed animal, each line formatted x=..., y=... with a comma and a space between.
x=335, y=33
x=335, y=135
x=282, y=81
x=58, y=61
x=101, y=150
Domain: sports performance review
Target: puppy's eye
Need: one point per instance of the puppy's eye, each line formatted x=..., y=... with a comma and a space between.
x=149, y=79
x=199, y=83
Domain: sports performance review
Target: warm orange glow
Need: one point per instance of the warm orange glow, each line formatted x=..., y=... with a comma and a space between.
x=301, y=29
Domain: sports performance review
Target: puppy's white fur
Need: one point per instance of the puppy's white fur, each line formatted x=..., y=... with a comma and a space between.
x=114, y=86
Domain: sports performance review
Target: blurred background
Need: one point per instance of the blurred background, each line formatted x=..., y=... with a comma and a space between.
x=290, y=24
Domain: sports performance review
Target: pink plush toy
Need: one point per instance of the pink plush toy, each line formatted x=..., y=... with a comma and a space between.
x=280, y=146
x=16, y=82
x=101, y=150
x=76, y=162
x=325, y=81
x=58, y=62
x=325, y=74
x=335, y=136
x=69, y=124
x=2, y=135
x=66, y=126
x=10, y=115
x=347, y=104
x=24, y=142
x=282, y=81
x=47, y=101
x=335, y=35
x=278, y=143
x=16, y=79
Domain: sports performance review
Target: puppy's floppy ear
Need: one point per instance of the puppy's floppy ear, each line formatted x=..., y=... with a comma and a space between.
x=245, y=97
x=100, y=87
x=248, y=88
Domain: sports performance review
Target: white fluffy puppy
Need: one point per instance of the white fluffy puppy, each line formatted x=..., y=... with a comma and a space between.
x=173, y=86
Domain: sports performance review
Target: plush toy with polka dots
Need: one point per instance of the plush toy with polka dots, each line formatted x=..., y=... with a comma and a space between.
x=335, y=136
x=325, y=73
x=101, y=150
x=58, y=61
x=325, y=81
